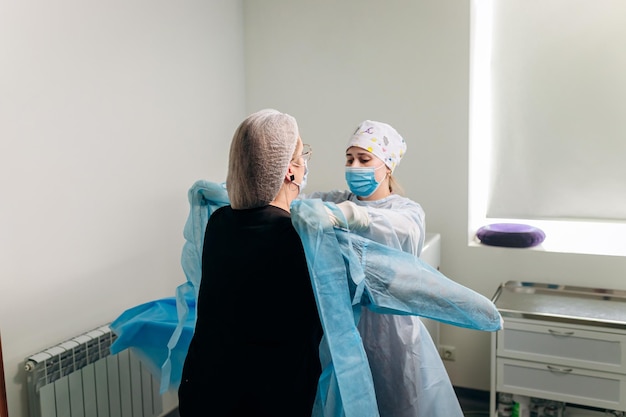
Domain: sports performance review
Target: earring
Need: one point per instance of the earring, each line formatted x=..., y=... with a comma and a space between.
x=292, y=177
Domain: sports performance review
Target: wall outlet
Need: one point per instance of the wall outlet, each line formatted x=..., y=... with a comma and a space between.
x=447, y=353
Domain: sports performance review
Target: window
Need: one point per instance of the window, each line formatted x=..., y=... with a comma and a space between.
x=548, y=125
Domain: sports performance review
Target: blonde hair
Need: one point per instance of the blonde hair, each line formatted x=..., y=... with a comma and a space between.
x=260, y=152
x=394, y=185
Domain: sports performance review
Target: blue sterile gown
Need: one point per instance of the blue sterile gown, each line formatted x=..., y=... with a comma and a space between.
x=348, y=272
x=409, y=377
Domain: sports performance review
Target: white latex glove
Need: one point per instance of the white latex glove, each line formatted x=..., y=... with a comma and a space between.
x=335, y=217
x=357, y=217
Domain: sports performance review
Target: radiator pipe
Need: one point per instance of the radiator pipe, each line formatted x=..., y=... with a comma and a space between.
x=29, y=366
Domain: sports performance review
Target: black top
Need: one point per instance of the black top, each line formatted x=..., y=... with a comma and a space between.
x=254, y=351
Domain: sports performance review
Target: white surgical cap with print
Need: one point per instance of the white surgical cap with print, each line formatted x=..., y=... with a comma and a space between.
x=380, y=139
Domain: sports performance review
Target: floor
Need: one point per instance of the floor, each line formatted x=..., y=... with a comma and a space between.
x=474, y=403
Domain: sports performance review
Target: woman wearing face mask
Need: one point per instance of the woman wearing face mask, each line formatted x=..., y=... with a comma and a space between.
x=400, y=351
x=255, y=348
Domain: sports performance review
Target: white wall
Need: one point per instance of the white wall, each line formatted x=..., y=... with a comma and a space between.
x=109, y=111
x=333, y=64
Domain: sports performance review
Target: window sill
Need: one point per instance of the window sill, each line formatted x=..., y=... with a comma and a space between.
x=574, y=237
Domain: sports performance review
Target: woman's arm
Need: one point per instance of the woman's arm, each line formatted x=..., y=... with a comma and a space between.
x=400, y=224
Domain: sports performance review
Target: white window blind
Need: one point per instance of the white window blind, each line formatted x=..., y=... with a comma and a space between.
x=558, y=103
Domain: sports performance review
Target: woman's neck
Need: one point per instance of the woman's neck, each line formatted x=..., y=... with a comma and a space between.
x=288, y=192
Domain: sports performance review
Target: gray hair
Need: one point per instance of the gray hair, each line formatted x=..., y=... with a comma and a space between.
x=260, y=152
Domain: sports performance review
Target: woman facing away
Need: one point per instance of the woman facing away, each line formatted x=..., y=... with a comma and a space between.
x=255, y=349
x=409, y=377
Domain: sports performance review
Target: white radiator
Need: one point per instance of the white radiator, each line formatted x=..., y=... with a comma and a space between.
x=80, y=378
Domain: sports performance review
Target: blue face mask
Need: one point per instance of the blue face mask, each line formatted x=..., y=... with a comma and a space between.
x=362, y=181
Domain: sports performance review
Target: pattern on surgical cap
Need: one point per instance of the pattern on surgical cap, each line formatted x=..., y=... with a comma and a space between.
x=380, y=139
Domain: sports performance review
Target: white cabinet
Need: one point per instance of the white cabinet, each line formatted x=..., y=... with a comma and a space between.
x=560, y=343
